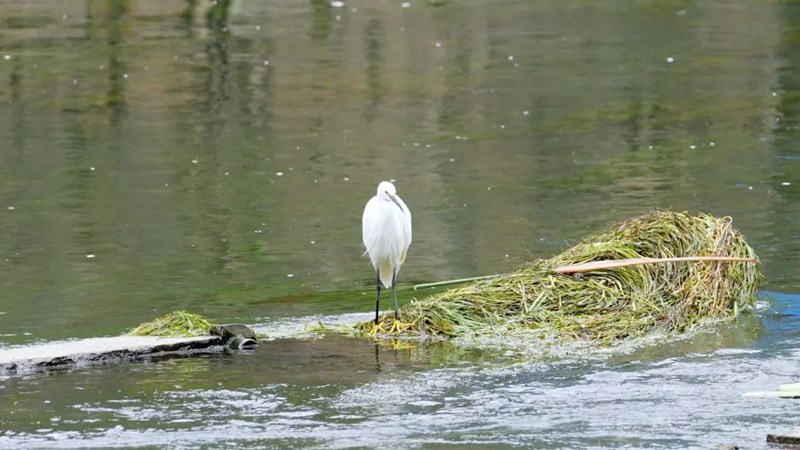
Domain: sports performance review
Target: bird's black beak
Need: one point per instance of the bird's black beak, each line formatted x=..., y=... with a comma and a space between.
x=394, y=199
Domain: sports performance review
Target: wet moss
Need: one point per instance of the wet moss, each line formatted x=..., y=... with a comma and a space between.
x=175, y=324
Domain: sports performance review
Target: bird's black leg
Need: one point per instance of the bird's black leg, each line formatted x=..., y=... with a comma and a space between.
x=394, y=292
x=378, y=298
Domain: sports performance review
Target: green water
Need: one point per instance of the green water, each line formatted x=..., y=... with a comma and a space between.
x=171, y=154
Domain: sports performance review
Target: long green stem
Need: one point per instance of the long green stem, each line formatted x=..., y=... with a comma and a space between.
x=456, y=281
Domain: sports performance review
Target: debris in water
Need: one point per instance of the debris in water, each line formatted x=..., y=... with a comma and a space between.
x=608, y=305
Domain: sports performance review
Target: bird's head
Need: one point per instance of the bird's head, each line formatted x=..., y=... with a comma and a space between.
x=386, y=188
x=387, y=191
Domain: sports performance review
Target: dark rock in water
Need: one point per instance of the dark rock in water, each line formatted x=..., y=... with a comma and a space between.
x=242, y=343
x=229, y=330
x=236, y=336
x=788, y=440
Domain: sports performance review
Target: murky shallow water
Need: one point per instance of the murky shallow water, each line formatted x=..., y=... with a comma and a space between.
x=154, y=159
x=344, y=393
x=341, y=392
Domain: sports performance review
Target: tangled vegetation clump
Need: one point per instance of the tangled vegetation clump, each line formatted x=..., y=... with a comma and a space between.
x=608, y=304
x=175, y=324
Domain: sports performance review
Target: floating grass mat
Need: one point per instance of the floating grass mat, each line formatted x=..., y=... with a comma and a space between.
x=175, y=324
x=609, y=304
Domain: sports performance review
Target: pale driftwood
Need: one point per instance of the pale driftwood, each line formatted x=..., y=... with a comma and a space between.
x=614, y=263
x=82, y=352
x=24, y=359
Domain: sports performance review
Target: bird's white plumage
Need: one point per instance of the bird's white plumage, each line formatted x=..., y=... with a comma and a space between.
x=386, y=231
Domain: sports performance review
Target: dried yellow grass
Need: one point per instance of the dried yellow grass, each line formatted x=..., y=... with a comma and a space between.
x=610, y=304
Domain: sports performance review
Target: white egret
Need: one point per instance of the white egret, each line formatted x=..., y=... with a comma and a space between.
x=386, y=231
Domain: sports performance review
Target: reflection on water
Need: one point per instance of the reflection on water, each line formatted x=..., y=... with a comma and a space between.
x=216, y=156
x=180, y=154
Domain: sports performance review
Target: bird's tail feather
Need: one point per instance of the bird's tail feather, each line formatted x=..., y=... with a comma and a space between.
x=385, y=274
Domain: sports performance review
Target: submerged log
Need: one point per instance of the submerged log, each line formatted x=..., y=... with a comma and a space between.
x=83, y=352
x=120, y=349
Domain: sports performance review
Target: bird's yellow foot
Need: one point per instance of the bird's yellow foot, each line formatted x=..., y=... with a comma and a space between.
x=396, y=328
x=376, y=328
x=399, y=327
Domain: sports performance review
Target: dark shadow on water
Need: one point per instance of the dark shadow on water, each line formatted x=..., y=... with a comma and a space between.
x=782, y=320
x=375, y=37
x=217, y=50
x=114, y=22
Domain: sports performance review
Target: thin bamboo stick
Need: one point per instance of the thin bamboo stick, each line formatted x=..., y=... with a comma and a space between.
x=614, y=263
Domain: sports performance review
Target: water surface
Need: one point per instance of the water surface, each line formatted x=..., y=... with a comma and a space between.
x=165, y=155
